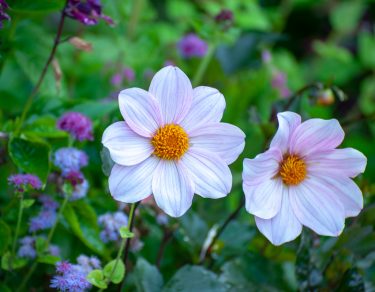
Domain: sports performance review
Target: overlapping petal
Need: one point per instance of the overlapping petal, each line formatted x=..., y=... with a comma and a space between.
x=225, y=140
x=173, y=90
x=207, y=107
x=288, y=122
x=317, y=207
x=173, y=188
x=130, y=184
x=284, y=226
x=264, y=200
x=140, y=110
x=346, y=162
x=316, y=135
x=125, y=146
x=211, y=175
x=262, y=168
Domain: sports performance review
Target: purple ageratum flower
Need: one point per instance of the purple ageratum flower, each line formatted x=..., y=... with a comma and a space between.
x=116, y=79
x=111, y=223
x=54, y=250
x=46, y=217
x=74, y=177
x=192, y=46
x=24, y=182
x=87, y=264
x=279, y=82
x=129, y=74
x=27, y=247
x=3, y=16
x=77, y=124
x=80, y=190
x=87, y=12
x=70, y=159
x=266, y=56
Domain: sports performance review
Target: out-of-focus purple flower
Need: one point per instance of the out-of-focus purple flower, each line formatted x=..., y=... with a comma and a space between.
x=80, y=190
x=266, y=56
x=168, y=63
x=192, y=46
x=279, y=82
x=54, y=250
x=87, y=12
x=148, y=74
x=73, y=277
x=116, y=79
x=70, y=159
x=3, y=16
x=23, y=182
x=111, y=223
x=27, y=247
x=162, y=219
x=128, y=74
x=74, y=177
x=225, y=18
x=46, y=217
x=77, y=124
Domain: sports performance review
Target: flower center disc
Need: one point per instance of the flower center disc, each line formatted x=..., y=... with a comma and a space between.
x=292, y=170
x=170, y=142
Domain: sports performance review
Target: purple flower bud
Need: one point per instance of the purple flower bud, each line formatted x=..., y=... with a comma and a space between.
x=224, y=15
x=116, y=79
x=192, y=46
x=70, y=159
x=27, y=247
x=23, y=182
x=279, y=82
x=129, y=74
x=74, y=177
x=111, y=223
x=77, y=124
x=87, y=12
x=3, y=16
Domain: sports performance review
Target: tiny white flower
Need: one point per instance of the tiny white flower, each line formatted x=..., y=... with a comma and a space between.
x=303, y=180
x=171, y=144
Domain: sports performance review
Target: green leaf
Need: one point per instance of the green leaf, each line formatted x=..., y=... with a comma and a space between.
x=11, y=263
x=96, y=278
x=48, y=259
x=147, y=277
x=5, y=235
x=83, y=222
x=116, y=275
x=27, y=203
x=366, y=49
x=37, y=6
x=345, y=16
x=195, y=278
x=40, y=244
x=31, y=157
x=4, y=288
x=96, y=110
x=44, y=127
x=352, y=280
x=125, y=232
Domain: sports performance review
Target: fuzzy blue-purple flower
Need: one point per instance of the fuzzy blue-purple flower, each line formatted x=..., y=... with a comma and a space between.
x=47, y=215
x=111, y=223
x=70, y=159
x=23, y=182
x=191, y=46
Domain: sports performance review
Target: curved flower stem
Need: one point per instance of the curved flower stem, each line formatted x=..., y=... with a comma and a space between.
x=18, y=226
x=48, y=241
x=204, y=64
x=44, y=71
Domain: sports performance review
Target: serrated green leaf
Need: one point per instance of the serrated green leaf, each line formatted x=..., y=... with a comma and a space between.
x=31, y=157
x=125, y=232
x=113, y=274
x=96, y=278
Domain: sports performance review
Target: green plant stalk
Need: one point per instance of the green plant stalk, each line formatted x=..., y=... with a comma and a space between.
x=49, y=238
x=134, y=18
x=204, y=65
x=18, y=226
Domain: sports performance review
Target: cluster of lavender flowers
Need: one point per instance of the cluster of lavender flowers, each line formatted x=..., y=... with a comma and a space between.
x=126, y=74
x=24, y=182
x=87, y=12
x=72, y=277
x=191, y=46
x=27, y=248
x=47, y=215
x=111, y=224
x=77, y=125
x=70, y=159
x=3, y=15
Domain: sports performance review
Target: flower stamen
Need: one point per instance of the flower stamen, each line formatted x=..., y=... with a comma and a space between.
x=170, y=142
x=292, y=170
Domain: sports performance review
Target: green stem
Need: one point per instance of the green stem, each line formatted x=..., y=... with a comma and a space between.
x=19, y=219
x=203, y=65
x=49, y=238
x=134, y=18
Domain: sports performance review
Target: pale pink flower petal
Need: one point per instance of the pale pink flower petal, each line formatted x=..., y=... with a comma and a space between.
x=173, y=188
x=284, y=226
x=316, y=135
x=225, y=140
x=346, y=191
x=125, y=146
x=207, y=107
x=130, y=184
x=140, y=111
x=262, y=168
x=317, y=207
x=211, y=175
x=288, y=122
x=264, y=200
x=348, y=162
x=173, y=90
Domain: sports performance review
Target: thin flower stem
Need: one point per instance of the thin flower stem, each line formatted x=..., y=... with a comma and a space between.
x=18, y=226
x=44, y=71
x=204, y=65
x=49, y=238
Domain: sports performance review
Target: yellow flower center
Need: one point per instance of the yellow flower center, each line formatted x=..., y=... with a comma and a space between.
x=170, y=142
x=292, y=170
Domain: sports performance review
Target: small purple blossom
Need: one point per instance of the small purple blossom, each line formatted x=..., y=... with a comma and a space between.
x=74, y=177
x=192, y=45
x=63, y=267
x=116, y=79
x=266, y=56
x=24, y=182
x=3, y=16
x=70, y=159
x=279, y=82
x=225, y=18
x=46, y=217
x=129, y=74
x=54, y=250
x=80, y=190
x=148, y=74
x=111, y=223
x=87, y=264
x=87, y=12
x=77, y=124
x=27, y=247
